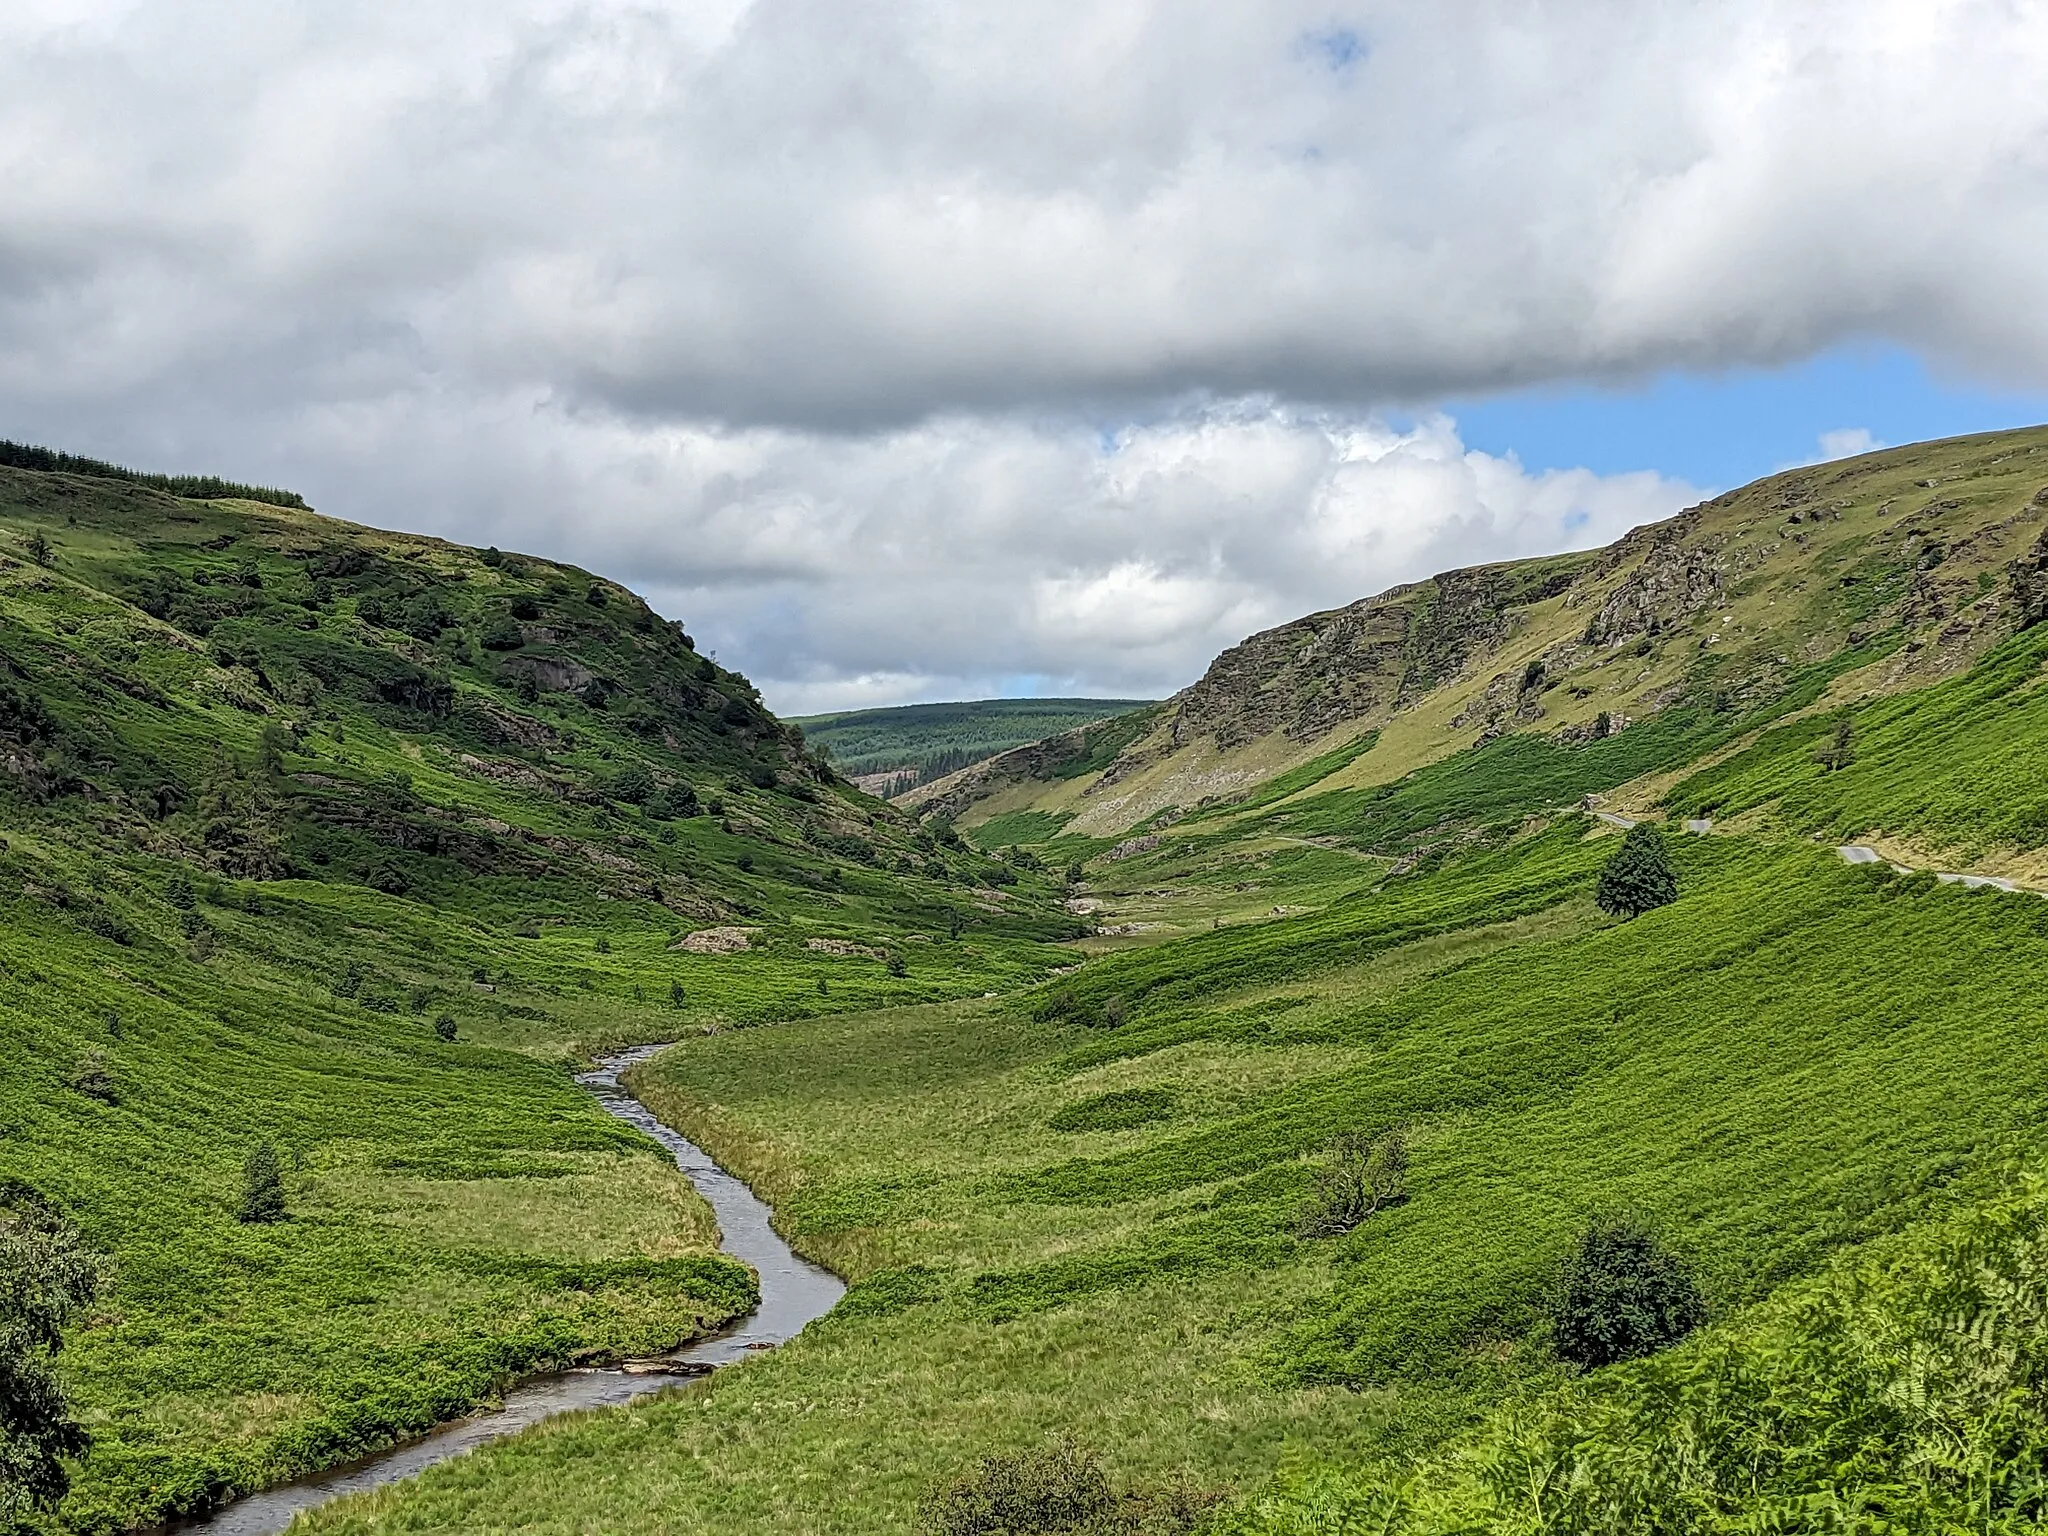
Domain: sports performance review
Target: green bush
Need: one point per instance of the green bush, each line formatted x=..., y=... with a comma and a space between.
x=1621, y=1295
x=47, y=1278
x=1058, y=1487
x=262, y=1186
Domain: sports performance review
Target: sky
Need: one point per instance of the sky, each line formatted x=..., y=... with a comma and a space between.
x=920, y=350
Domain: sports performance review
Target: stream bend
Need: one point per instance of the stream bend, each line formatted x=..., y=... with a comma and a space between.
x=793, y=1293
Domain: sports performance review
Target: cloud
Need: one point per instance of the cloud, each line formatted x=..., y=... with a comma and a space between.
x=752, y=295
x=968, y=555
x=1846, y=443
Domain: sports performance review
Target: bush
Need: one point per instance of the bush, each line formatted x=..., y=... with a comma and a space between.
x=1639, y=875
x=178, y=891
x=92, y=1076
x=444, y=1027
x=1058, y=1487
x=501, y=634
x=47, y=1279
x=1621, y=1295
x=896, y=966
x=1114, y=1013
x=1362, y=1175
x=262, y=1186
x=633, y=784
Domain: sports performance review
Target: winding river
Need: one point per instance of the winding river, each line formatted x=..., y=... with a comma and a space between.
x=793, y=1292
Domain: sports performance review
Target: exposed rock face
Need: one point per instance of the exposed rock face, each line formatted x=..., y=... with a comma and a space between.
x=1307, y=677
x=1672, y=585
x=2027, y=579
x=715, y=941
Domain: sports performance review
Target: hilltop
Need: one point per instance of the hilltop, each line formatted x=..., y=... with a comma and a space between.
x=1871, y=576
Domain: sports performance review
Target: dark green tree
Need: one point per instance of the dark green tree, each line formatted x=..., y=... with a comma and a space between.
x=38, y=548
x=1639, y=876
x=444, y=1027
x=1840, y=751
x=47, y=1277
x=263, y=1185
x=178, y=891
x=1621, y=1295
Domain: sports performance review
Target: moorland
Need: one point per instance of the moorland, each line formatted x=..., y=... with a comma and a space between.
x=1213, y=1107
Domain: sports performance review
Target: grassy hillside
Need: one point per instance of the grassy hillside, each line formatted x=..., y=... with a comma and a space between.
x=1913, y=561
x=916, y=743
x=282, y=802
x=1069, y=1132
x=1057, y=1228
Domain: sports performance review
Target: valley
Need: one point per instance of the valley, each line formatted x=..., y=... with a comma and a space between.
x=361, y=845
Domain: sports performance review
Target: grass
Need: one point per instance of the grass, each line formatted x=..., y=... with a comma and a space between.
x=922, y=742
x=1796, y=1059
x=253, y=845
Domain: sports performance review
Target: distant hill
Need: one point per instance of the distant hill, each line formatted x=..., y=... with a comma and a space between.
x=892, y=751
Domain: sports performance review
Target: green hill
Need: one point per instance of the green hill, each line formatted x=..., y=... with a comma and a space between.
x=282, y=802
x=1093, y=1165
x=914, y=744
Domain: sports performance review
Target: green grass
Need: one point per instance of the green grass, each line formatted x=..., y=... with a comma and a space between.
x=1957, y=764
x=374, y=825
x=1796, y=1059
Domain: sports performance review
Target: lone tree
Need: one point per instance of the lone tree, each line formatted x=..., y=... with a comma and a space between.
x=262, y=1185
x=1639, y=876
x=1621, y=1295
x=47, y=1277
x=1840, y=751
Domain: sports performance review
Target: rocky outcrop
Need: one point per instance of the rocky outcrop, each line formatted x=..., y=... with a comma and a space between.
x=1310, y=676
x=1674, y=584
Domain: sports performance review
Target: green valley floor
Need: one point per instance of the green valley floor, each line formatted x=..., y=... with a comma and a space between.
x=1054, y=1229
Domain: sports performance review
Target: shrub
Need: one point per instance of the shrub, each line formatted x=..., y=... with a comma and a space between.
x=633, y=784
x=1361, y=1176
x=47, y=1278
x=38, y=549
x=444, y=1026
x=1075, y=872
x=262, y=1186
x=1058, y=1487
x=1621, y=1295
x=676, y=996
x=92, y=1076
x=1639, y=875
x=178, y=891
x=501, y=634
x=896, y=966
x=350, y=982
x=1114, y=1013
x=604, y=945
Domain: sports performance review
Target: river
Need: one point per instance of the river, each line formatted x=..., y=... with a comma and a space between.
x=793, y=1292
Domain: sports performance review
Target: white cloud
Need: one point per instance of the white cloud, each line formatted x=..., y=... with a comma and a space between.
x=816, y=315
x=1846, y=443
x=965, y=556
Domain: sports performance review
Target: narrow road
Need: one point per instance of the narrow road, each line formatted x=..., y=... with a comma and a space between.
x=1853, y=853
